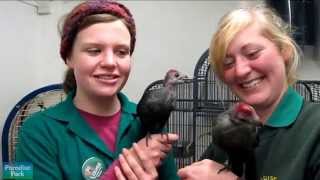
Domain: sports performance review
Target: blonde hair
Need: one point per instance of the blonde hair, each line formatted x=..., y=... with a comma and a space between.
x=272, y=27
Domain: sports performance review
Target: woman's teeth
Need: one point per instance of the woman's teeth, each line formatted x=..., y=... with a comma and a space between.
x=106, y=77
x=251, y=84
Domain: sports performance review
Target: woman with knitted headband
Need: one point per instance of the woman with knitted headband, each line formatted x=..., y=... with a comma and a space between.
x=94, y=134
x=253, y=54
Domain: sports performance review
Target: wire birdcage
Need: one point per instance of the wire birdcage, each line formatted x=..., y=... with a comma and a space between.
x=181, y=121
x=211, y=98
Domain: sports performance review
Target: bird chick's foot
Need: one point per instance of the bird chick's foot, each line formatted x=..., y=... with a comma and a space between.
x=223, y=169
x=148, y=136
x=227, y=167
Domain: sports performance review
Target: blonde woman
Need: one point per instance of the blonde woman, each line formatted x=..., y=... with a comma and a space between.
x=252, y=52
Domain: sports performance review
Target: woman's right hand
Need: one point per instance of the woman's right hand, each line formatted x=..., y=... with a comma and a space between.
x=158, y=146
x=141, y=161
x=133, y=169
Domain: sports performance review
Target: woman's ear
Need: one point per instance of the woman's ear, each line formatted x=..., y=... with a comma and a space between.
x=286, y=53
x=69, y=63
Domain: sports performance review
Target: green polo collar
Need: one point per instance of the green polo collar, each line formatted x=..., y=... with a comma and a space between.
x=68, y=113
x=287, y=110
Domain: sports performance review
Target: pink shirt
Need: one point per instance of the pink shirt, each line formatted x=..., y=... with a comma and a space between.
x=105, y=126
x=107, y=129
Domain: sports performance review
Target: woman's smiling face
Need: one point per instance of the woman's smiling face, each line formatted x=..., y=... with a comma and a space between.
x=101, y=59
x=254, y=68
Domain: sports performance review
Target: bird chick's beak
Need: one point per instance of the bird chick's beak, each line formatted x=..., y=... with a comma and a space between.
x=183, y=78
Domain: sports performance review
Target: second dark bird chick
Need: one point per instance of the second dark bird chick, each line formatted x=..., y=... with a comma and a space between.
x=235, y=132
x=155, y=106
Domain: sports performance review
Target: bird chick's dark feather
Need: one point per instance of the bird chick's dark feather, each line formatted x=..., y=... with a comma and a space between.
x=235, y=132
x=154, y=109
x=155, y=106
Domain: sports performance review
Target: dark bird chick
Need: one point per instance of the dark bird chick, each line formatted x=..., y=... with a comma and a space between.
x=235, y=132
x=155, y=106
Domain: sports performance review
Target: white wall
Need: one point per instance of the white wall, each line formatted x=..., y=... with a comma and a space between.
x=309, y=68
x=170, y=34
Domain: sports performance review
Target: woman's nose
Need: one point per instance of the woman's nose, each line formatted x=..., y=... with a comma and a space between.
x=242, y=67
x=108, y=59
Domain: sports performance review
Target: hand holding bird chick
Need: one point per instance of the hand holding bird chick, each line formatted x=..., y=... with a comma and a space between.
x=157, y=148
x=203, y=170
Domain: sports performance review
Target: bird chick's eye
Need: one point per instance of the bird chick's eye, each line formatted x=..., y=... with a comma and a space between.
x=176, y=75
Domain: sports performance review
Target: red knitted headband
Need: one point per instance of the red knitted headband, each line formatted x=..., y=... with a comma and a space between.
x=90, y=7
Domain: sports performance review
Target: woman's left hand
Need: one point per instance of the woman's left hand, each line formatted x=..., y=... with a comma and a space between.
x=133, y=168
x=205, y=170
